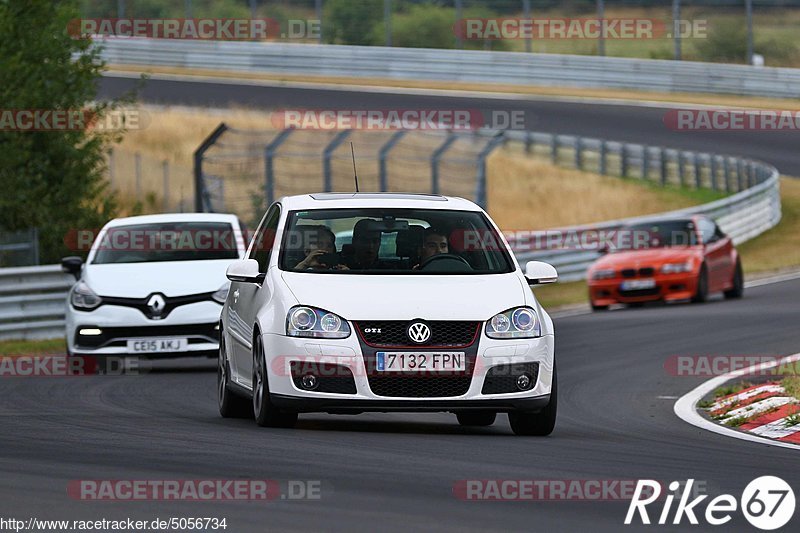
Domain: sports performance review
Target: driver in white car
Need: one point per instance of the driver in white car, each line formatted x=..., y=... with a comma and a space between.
x=434, y=242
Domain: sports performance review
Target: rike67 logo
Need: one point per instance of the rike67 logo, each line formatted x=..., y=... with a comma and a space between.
x=767, y=503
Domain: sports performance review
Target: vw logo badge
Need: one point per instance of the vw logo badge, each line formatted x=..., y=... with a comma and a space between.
x=418, y=332
x=156, y=305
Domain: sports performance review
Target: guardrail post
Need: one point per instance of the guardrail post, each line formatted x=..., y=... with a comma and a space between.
x=750, y=173
x=602, y=158
x=698, y=178
x=579, y=153
x=727, y=173
x=554, y=148
x=645, y=162
x=663, y=166
x=480, y=192
x=714, y=170
x=528, y=141
x=383, y=154
x=681, y=167
x=436, y=157
x=623, y=160
x=326, y=158
x=269, y=171
x=739, y=174
x=198, y=165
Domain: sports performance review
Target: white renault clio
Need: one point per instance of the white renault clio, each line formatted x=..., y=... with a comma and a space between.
x=152, y=285
x=424, y=308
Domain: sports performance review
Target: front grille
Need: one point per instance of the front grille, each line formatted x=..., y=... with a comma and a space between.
x=632, y=272
x=170, y=303
x=337, y=379
x=502, y=379
x=117, y=336
x=639, y=292
x=422, y=386
x=392, y=333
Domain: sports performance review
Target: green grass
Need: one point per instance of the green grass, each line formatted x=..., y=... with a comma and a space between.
x=49, y=346
x=731, y=388
x=792, y=386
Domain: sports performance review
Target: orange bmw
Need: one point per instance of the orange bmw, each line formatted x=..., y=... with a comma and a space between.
x=671, y=259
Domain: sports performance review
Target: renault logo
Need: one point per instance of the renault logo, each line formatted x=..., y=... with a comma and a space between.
x=156, y=305
x=419, y=332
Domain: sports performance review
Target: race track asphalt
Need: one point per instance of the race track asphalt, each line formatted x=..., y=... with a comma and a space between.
x=631, y=123
x=396, y=472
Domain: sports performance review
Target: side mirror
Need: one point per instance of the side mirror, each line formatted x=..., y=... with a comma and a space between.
x=537, y=272
x=72, y=265
x=245, y=270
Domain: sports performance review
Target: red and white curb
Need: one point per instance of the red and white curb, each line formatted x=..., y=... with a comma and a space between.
x=765, y=407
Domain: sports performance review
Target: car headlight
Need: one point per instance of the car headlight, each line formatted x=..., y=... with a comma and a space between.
x=303, y=321
x=603, y=274
x=675, y=268
x=222, y=293
x=83, y=297
x=519, y=323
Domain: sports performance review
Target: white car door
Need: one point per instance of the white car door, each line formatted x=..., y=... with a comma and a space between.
x=248, y=298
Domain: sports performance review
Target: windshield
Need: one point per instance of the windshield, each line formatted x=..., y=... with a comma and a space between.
x=392, y=241
x=658, y=235
x=166, y=241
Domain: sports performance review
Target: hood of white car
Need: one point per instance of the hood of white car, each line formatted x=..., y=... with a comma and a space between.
x=170, y=278
x=405, y=297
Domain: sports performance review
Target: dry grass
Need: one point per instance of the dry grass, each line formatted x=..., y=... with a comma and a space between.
x=534, y=91
x=524, y=192
x=529, y=193
x=778, y=248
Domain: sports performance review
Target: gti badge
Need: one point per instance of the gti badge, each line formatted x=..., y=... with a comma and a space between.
x=418, y=332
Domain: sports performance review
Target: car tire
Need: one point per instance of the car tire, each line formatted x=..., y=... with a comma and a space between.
x=231, y=405
x=737, y=290
x=476, y=418
x=538, y=424
x=599, y=307
x=266, y=414
x=701, y=292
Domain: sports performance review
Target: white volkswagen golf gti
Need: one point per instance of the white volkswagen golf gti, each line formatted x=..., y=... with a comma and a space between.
x=424, y=308
x=152, y=285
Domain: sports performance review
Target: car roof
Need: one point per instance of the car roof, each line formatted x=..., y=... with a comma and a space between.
x=340, y=200
x=173, y=217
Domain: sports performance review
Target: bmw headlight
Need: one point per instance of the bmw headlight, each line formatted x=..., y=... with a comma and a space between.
x=222, y=293
x=519, y=323
x=303, y=321
x=84, y=298
x=603, y=274
x=675, y=268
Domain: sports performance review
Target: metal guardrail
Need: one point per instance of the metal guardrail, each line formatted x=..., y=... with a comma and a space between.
x=475, y=66
x=32, y=302
x=755, y=208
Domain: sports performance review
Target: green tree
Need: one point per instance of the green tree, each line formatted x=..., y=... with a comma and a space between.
x=52, y=180
x=350, y=21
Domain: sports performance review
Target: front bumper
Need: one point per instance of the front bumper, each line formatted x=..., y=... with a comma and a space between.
x=197, y=322
x=282, y=351
x=357, y=406
x=668, y=287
